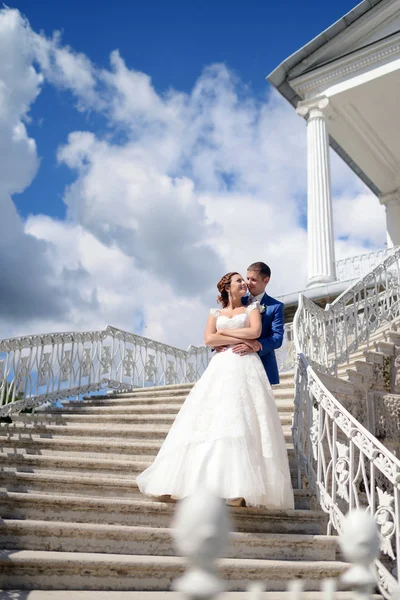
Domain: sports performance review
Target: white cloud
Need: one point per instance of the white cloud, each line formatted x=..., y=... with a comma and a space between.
x=204, y=182
x=27, y=292
x=361, y=219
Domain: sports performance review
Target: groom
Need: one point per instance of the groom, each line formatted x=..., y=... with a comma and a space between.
x=258, y=276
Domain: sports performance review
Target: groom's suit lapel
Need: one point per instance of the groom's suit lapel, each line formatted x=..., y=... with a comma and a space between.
x=264, y=320
x=265, y=317
x=264, y=302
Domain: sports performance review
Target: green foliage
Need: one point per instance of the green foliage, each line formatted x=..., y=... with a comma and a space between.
x=387, y=364
x=8, y=394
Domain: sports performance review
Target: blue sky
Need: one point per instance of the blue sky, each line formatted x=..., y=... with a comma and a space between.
x=170, y=41
x=145, y=155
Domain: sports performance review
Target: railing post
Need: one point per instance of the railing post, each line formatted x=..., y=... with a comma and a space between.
x=201, y=528
x=359, y=543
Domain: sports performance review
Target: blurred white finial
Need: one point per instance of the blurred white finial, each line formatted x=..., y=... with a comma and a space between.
x=201, y=530
x=396, y=593
x=359, y=543
x=295, y=589
x=255, y=590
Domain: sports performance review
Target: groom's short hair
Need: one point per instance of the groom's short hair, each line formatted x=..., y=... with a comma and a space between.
x=261, y=268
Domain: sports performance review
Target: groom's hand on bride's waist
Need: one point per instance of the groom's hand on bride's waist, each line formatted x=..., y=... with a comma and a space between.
x=247, y=348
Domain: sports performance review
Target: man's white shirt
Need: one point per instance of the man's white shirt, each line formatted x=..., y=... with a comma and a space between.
x=256, y=298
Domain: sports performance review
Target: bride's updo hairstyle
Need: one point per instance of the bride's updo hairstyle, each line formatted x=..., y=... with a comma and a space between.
x=223, y=286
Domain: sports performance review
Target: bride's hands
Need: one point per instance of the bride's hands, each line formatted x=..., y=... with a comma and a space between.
x=247, y=347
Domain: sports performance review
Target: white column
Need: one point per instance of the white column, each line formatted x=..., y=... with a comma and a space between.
x=321, y=250
x=391, y=202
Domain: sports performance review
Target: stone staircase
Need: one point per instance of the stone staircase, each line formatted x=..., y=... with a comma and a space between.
x=73, y=517
x=368, y=386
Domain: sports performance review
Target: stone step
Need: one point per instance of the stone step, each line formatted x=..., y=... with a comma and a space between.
x=118, y=400
x=36, y=444
x=55, y=452
x=87, y=407
x=88, y=466
x=69, y=482
x=113, y=483
x=147, y=407
x=171, y=388
x=281, y=393
x=100, y=431
x=27, y=569
x=119, y=539
x=80, y=417
x=359, y=354
x=286, y=377
x=54, y=447
x=147, y=513
x=99, y=595
x=112, y=449
x=59, y=463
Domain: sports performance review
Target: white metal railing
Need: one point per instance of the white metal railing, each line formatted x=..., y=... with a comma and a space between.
x=355, y=267
x=286, y=354
x=48, y=367
x=328, y=336
x=201, y=527
x=345, y=464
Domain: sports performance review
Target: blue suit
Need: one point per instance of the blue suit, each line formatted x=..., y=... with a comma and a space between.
x=271, y=337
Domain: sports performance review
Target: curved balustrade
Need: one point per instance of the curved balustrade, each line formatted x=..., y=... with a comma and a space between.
x=328, y=336
x=49, y=367
x=355, y=267
x=343, y=463
x=286, y=354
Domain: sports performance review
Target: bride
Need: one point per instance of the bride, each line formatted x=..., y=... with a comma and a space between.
x=227, y=436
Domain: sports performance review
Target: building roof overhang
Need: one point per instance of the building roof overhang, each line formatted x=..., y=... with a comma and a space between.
x=356, y=64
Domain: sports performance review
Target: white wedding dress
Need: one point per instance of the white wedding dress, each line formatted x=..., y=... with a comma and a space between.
x=227, y=436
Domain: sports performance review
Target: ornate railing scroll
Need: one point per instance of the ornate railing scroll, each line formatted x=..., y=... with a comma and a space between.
x=45, y=368
x=328, y=336
x=347, y=467
x=49, y=367
x=286, y=354
x=355, y=267
x=342, y=462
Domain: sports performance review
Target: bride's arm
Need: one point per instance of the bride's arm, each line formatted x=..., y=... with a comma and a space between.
x=213, y=338
x=252, y=332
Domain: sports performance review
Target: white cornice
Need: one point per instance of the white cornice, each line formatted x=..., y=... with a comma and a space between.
x=348, y=66
x=344, y=41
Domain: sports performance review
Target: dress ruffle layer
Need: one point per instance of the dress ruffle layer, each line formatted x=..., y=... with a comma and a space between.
x=228, y=437
x=225, y=467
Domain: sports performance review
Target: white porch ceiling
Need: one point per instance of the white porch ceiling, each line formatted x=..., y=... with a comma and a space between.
x=366, y=124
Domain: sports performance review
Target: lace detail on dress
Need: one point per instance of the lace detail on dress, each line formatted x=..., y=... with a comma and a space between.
x=215, y=312
x=252, y=306
x=227, y=436
x=225, y=322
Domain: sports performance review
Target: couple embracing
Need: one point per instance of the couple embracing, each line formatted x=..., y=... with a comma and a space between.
x=227, y=436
